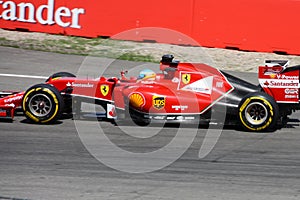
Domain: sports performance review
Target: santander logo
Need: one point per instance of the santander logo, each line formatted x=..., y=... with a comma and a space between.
x=45, y=14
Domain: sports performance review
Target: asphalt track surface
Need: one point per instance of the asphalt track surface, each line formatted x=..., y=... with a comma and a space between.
x=51, y=162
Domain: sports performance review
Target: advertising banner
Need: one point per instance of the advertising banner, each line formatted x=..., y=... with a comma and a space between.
x=254, y=25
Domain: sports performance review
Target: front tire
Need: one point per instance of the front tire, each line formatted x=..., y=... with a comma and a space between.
x=258, y=112
x=138, y=118
x=42, y=104
x=60, y=75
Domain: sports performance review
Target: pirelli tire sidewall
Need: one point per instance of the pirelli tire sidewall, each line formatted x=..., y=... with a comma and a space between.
x=52, y=95
x=267, y=103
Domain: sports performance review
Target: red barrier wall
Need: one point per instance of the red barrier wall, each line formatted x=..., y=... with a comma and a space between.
x=255, y=25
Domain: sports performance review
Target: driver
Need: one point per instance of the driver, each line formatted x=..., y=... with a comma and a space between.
x=147, y=74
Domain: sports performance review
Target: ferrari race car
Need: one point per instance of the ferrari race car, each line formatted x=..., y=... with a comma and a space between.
x=180, y=93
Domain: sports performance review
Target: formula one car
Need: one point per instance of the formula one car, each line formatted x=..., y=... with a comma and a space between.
x=180, y=93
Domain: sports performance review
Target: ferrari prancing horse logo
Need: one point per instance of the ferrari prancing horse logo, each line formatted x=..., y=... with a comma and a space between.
x=185, y=78
x=104, y=89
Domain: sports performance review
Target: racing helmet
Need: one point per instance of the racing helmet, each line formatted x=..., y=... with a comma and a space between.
x=146, y=74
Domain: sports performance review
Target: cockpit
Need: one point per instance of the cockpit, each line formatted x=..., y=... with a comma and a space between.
x=168, y=68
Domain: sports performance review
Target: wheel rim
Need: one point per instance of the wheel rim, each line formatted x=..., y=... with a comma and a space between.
x=40, y=105
x=256, y=113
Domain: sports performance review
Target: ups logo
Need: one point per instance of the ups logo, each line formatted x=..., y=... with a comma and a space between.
x=158, y=102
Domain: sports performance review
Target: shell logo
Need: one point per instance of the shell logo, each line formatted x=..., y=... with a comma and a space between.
x=272, y=75
x=137, y=100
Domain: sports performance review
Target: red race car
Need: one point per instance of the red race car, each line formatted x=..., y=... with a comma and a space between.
x=180, y=93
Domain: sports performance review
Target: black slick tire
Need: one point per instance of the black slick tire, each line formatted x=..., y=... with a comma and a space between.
x=60, y=75
x=258, y=112
x=42, y=104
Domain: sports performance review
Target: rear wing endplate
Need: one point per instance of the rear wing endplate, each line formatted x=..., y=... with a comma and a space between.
x=272, y=63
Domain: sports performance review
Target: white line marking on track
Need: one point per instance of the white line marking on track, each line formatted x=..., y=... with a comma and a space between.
x=24, y=76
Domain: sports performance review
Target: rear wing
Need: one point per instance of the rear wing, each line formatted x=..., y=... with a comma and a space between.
x=282, y=85
x=272, y=63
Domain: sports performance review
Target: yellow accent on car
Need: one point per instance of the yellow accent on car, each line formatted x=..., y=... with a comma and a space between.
x=52, y=79
x=31, y=116
x=245, y=104
x=25, y=97
x=56, y=105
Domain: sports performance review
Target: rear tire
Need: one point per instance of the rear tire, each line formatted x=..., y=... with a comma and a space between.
x=258, y=112
x=42, y=104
